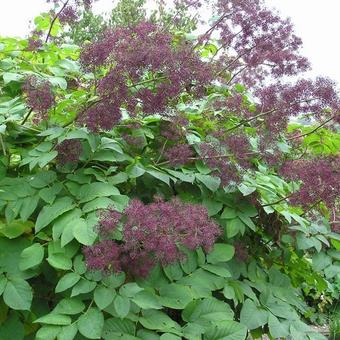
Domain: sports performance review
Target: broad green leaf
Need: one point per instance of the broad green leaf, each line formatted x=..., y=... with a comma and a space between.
x=31, y=256
x=59, y=261
x=157, y=320
x=88, y=192
x=91, y=323
x=84, y=233
x=28, y=207
x=18, y=294
x=15, y=228
x=226, y=330
x=253, y=316
x=277, y=329
x=147, y=300
x=103, y=296
x=219, y=270
x=212, y=183
x=130, y=289
x=68, y=332
x=234, y=226
x=50, y=213
x=175, y=296
x=122, y=306
x=83, y=287
x=47, y=332
x=220, y=253
x=54, y=319
x=69, y=306
x=67, y=281
x=116, y=328
x=229, y=213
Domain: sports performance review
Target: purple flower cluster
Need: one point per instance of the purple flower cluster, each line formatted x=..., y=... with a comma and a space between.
x=68, y=15
x=152, y=233
x=264, y=43
x=69, y=151
x=320, y=181
x=108, y=221
x=131, y=53
x=39, y=96
x=158, y=229
x=179, y=154
x=279, y=102
x=103, y=256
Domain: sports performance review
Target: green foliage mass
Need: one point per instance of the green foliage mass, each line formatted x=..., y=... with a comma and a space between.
x=49, y=213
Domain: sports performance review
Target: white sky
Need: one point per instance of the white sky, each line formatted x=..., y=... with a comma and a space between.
x=316, y=21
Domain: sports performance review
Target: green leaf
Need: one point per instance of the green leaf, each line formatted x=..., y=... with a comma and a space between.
x=69, y=306
x=84, y=233
x=157, y=320
x=88, y=192
x=98, y=203
x=175, y=296
x=18, y=294
x=130, y=289
x=15, y=228
x=276, y=328
x=226, y=330
x=218, y=270
x=212, y=183
x=253, y=316
x=60, y=261
x=229, y=213
x=28, y=207
x=234, y=226
x=83, y=287
x=47, y=332
x=9, y=76
x=122, y=306
x=54, y=319
x=147, y=300
x=214, y=207
x=31, y=256
x=91, y=323
x=220, y=253
x=103, y=296
x=135, y=170
x=68, y=332
x=50, y=213
x=67, y=281
x=208, y=310
x=119, y=329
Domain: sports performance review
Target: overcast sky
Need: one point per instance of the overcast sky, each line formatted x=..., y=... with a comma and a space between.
x=317, y=23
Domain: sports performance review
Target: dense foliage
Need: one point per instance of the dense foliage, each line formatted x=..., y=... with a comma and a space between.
x=156, y=183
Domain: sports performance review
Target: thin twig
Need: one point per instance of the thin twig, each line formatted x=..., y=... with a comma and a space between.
x=314, y=130
x=26, y=117
x=54, y=20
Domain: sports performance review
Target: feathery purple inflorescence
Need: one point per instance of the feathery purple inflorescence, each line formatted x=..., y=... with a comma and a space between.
x=152, y=233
